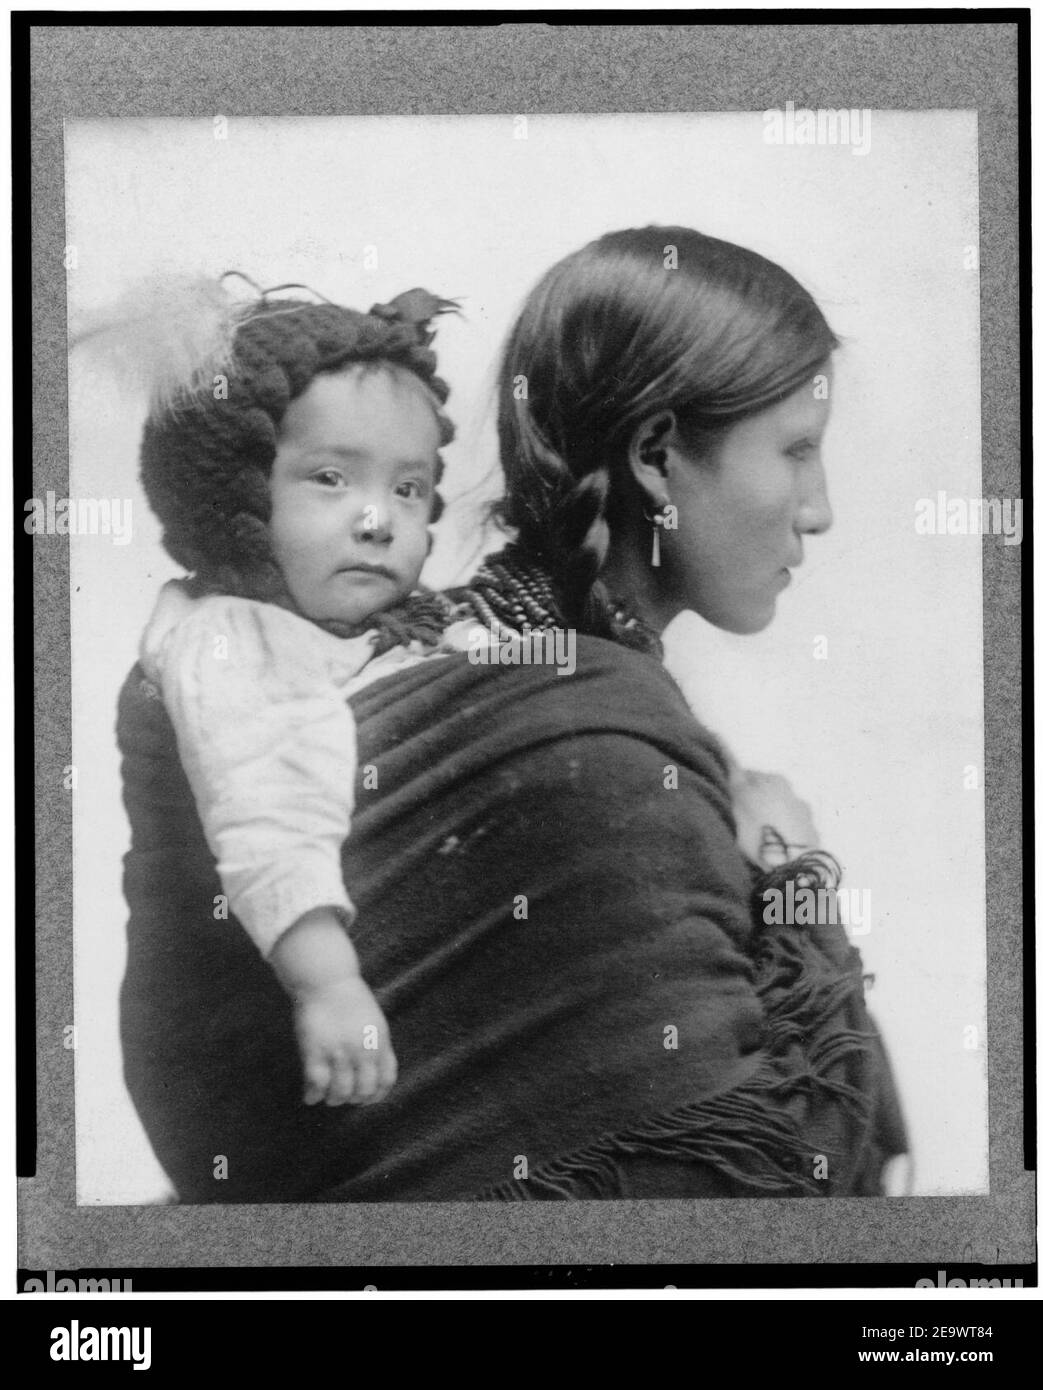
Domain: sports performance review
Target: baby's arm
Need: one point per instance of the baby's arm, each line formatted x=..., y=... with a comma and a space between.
x=343, y=1035
x=268, y=743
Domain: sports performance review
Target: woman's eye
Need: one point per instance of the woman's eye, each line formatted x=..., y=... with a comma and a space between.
x=804, y=449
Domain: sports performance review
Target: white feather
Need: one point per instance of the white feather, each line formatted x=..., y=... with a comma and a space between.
x=167, y=337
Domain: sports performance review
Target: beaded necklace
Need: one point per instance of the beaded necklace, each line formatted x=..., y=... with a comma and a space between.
x=511, y=591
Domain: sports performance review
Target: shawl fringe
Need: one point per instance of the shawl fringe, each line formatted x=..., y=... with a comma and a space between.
x=749, y=1135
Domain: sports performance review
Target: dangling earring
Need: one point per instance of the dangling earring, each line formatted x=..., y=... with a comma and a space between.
x=653, y=455
x=657, y=519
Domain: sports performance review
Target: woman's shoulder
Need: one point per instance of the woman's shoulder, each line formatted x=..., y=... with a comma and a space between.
x=569, y=686
x=632, y=693
x=612, y=681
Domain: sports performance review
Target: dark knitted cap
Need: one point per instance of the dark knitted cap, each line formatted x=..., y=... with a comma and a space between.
x=205, y=462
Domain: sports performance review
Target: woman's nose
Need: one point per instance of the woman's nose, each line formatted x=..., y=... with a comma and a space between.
x=372, y=524
x=815, y=515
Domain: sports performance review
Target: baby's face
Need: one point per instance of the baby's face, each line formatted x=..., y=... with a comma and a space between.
x=352, y=489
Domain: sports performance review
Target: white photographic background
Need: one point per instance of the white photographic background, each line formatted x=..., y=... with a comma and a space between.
x=878, y=735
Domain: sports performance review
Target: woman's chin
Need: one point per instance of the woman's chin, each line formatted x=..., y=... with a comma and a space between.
x=745, y=621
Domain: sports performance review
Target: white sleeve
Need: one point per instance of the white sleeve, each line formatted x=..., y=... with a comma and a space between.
x=269, y=747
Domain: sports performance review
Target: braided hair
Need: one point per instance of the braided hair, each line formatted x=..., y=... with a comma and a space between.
x=638, y=322
x=206, y=460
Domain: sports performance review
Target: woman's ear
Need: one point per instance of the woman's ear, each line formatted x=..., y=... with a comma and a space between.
x=649, y=451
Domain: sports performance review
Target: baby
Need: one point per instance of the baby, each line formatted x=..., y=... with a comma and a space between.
x=299, y=491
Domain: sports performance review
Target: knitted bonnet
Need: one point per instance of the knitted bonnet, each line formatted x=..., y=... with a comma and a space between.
x=206, y=456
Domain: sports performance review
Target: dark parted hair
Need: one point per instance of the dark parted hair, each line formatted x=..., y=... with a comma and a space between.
x=637, y=322
x=206, y=463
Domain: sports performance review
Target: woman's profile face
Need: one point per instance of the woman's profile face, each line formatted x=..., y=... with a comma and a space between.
x=744, y=508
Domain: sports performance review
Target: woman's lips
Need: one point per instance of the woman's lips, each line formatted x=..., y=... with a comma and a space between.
x=786, y=573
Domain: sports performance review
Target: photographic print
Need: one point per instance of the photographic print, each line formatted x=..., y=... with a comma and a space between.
x=529, y=724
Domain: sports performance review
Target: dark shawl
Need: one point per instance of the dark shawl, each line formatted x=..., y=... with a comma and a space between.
x=536, y=1043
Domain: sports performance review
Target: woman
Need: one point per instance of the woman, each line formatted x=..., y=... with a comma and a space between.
x=554, y=909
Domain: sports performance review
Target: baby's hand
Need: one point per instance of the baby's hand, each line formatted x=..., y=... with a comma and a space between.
x=345, y=1044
